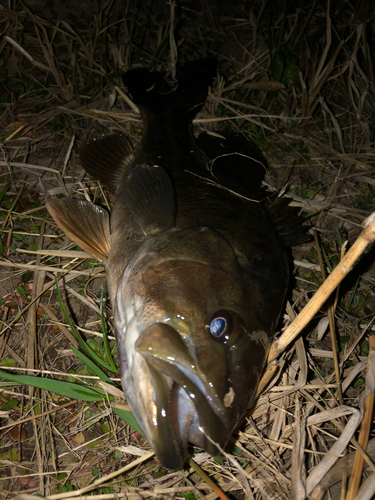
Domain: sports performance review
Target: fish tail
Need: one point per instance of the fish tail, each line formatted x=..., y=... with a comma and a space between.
x=153, y=92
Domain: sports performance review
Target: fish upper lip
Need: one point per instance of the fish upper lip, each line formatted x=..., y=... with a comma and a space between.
x=168, y=375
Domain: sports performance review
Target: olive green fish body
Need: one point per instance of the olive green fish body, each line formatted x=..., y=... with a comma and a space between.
x=196, y=268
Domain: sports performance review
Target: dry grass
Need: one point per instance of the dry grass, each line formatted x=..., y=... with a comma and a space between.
x=302, y=87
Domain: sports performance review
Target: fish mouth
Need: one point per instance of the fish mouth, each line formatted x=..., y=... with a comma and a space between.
x=179, y=405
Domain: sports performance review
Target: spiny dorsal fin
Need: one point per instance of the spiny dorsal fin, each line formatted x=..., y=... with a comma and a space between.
x=150, y=198
x=84, y=223
x=238, y=163
x=234, y=157
x=107, y=159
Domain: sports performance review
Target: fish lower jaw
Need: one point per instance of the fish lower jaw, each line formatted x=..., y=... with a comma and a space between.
x=172, y=397
x=168, y=419
x=171, y=421
x=188, y=421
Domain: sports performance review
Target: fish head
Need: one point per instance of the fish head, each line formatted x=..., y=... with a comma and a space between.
x=192, y=345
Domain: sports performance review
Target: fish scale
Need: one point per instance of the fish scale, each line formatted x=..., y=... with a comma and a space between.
x=196, y=266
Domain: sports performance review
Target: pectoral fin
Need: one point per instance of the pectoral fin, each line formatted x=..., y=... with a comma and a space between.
x=150, y=198
x=84, y=223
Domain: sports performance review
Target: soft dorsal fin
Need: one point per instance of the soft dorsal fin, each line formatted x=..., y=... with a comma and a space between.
x=107, y=159
x=84, y=223
x=149, y=196
x=287, y=221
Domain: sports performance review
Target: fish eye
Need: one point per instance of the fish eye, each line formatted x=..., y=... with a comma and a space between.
x=220, y=325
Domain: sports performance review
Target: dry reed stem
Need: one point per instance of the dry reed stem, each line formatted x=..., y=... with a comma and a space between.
x=98, y=482
x=321, y=74
x=34, y=267
x=365, y=425
x=298, y=490
x=335, y=474
x=69, y=254
x=343, y=268
x=45, y=288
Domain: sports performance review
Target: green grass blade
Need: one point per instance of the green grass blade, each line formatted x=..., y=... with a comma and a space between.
x=87, y=350
x=127, y=417
x=98, y=372
x=162, y=44
x=68, y=389
x=68, y=320
x=107, y=347
x=326, y=259
x=3, y=191
x=339, y=237
x=352, y=295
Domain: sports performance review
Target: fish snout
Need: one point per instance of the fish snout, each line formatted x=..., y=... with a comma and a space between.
x=180, y=406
